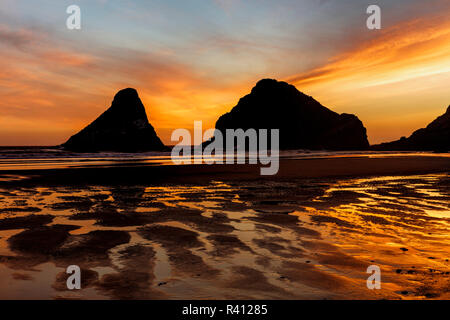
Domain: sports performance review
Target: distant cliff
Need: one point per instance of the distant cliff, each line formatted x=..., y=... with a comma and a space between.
x=435, y=137
x=303, y=122
x=123, y=127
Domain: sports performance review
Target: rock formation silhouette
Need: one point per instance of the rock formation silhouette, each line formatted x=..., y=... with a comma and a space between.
x=124, y=127
x=435, y=137
x=303, y=122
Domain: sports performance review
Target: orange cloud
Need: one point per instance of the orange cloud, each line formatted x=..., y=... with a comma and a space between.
x=49, y=91
x=395, y=82
x=51, y=88
x=416, y=48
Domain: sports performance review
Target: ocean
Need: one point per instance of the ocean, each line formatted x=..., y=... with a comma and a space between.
x=37, y=157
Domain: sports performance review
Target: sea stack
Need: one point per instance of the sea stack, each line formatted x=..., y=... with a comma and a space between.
x=435, y=137
x=124, y=127
x=303, y=122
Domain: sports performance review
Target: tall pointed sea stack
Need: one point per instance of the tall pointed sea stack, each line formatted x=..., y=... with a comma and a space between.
x=124, y=127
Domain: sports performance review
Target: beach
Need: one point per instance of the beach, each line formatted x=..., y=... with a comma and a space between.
x=150, y=230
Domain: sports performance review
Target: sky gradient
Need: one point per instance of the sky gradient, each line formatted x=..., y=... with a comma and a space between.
x=193, y=60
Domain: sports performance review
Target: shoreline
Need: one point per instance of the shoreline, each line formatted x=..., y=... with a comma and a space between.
x=290, y=169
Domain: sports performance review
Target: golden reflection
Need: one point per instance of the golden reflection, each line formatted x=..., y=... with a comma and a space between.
x=304, y=239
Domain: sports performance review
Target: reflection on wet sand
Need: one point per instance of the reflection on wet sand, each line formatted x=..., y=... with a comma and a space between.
x=301, y=239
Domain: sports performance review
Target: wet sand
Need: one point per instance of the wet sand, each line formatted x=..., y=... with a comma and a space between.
x=225, y=232
x=138, y=172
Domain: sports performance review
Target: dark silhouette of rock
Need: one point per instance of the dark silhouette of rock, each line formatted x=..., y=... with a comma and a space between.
x=303, y=122
x=435, y=137
x=124, y=127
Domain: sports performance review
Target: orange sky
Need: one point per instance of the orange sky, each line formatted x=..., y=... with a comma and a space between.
x=395, y=83
x=53, y=82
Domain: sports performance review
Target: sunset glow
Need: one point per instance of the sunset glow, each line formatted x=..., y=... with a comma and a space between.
x=195, y=64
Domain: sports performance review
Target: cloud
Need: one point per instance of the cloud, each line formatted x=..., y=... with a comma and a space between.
x=195, y=63
x=45, y=79
x=17, y=38
x=412, y=49
x=395, y=82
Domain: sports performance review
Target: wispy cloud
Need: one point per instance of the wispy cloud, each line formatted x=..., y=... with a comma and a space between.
x=193, y=60
x=412, y=49
x=42, y=79
x=394, y=82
